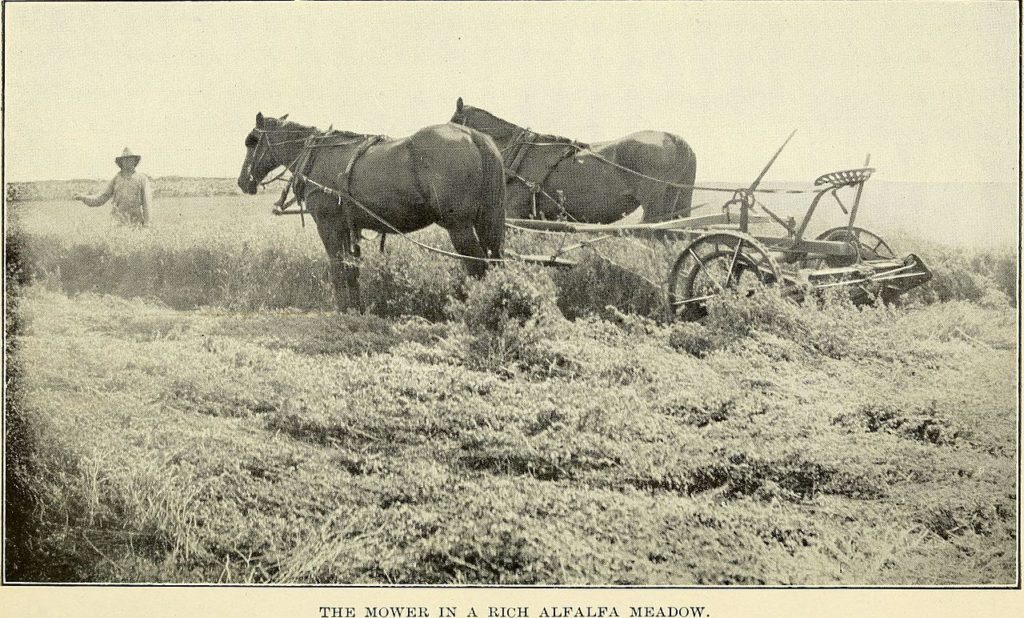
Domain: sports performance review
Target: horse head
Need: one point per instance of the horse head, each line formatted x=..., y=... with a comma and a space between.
x=485, y=122
x=273, y=142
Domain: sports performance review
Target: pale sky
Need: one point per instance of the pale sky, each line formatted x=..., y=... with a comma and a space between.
x=929, y=89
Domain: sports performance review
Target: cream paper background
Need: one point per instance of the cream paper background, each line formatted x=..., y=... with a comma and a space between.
x=912, y=83
x=161, y=602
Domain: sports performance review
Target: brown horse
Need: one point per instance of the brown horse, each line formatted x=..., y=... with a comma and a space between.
x=557, y=178
x=444, y=174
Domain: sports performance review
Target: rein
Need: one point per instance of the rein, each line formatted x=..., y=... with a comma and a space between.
x=348, y=198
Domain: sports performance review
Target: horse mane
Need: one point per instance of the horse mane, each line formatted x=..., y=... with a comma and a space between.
x=539, y=137
x=331, y=132
x=558, y=139
x=288, y=125
x=341, y=133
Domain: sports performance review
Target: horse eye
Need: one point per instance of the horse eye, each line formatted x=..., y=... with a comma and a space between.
x=250, y=141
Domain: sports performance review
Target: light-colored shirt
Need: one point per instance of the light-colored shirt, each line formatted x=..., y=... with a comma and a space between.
x=132, y=195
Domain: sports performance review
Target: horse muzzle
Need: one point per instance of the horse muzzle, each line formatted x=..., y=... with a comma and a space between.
x=248, y=186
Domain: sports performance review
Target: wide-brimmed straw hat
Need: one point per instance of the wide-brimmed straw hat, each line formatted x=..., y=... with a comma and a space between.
x=127, y=154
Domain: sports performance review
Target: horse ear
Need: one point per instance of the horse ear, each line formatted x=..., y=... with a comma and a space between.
x=458, y=105
x=259, y=119
x=283, y=117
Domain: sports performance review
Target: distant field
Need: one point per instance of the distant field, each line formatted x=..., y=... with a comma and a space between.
x=164, y=186
x=185, y=407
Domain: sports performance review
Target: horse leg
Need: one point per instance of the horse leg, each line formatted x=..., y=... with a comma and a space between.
x=465, y=241
x=351, y=274
x=337, y=268
x=489, y=229
x=331, y=235
x=345, y=280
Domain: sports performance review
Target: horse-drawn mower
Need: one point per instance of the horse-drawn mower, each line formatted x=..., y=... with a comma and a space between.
x=724, y=254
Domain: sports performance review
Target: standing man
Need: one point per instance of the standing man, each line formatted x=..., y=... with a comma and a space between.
x=131, y=190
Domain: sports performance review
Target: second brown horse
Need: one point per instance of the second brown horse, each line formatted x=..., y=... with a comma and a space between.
x=555, y=177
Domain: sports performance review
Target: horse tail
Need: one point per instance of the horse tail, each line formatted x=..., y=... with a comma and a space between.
x=682, y=197
x=490, y=218
x=671, y=194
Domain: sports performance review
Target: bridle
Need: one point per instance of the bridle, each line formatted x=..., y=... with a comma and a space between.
x=258, y=156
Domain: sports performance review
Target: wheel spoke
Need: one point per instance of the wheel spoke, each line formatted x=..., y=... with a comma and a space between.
x=695, y=299
x=705, y=269
x=732, y=264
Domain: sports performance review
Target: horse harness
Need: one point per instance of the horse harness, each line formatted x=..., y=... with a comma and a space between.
x=300, y=181
x=515, y=154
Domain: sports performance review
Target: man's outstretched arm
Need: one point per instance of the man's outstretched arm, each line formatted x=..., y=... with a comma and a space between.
x=97, y=200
